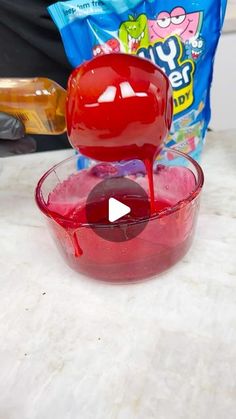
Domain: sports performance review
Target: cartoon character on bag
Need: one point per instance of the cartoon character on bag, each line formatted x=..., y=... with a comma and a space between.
x=133, y=34
x=194, y=48
x=177, y=22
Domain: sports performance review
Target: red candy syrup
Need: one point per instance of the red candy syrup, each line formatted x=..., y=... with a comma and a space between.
x=119, y=107
x=163, y=242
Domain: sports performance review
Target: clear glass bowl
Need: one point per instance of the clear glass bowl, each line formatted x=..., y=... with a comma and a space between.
x=165, y=239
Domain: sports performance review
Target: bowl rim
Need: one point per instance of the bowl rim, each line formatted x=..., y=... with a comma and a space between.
x=60, y=219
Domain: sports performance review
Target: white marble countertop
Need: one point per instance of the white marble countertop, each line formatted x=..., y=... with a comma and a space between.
x=72, y=348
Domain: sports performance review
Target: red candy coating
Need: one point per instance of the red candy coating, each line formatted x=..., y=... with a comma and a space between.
x=119, y=107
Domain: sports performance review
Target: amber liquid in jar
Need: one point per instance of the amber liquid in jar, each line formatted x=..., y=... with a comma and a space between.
x=38, y=102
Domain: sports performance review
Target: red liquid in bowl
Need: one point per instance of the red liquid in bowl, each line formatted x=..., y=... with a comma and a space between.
x=165, y=239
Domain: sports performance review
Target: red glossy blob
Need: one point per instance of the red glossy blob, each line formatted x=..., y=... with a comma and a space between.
x=118, y=107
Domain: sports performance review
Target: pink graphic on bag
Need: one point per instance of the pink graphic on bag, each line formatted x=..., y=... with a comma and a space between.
x=191, y=143
x=177, y=22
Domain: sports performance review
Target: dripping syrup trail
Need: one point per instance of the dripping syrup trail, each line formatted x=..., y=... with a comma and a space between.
x=149, y=168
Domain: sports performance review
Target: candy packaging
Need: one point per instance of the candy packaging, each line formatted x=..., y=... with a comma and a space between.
x=179, y=36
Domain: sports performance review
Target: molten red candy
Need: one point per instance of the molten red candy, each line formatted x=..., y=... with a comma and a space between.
x=119, y=107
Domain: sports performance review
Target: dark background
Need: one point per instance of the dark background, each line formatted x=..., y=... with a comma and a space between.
x=31, y=46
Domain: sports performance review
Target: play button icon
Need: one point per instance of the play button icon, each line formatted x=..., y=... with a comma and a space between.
x=118, y=209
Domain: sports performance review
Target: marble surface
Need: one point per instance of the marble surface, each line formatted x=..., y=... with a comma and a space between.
x=71, y=348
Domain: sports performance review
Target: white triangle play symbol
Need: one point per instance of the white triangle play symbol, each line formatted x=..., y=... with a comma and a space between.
x=117, y=210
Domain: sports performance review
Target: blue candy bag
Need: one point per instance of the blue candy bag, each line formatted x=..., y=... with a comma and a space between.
x=179, y=36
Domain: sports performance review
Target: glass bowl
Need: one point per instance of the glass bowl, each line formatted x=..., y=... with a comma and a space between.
x=167, y=234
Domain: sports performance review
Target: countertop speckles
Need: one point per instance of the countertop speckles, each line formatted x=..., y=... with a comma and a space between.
x=72, y=348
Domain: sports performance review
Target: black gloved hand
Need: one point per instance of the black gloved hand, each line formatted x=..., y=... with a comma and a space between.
x=12, y=137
